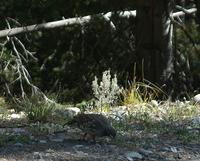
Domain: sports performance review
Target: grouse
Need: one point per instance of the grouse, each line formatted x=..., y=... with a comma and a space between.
x=94, y=125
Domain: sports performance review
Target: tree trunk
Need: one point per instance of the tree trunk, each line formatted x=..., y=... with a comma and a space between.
x=154, y=40
x=197, y=2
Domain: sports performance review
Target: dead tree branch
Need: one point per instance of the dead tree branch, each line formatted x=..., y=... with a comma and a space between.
x=13, y=62
x=188, y=12
x=73, y=21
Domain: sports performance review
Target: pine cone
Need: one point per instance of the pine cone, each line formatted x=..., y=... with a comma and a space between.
x=93, y=125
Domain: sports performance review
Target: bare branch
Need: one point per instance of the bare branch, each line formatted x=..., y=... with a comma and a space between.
x=17, y=67
x=183, y=9
x=181, y=13
x=26, y=52
x=73, y=21
x=183, y=28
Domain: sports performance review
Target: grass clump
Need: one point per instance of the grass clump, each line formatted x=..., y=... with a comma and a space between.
x=140, y=92
x=4, y=139
x=44, y=128
x=37, y=109
x=179, y=113
x=4, y=105
x=12, y=139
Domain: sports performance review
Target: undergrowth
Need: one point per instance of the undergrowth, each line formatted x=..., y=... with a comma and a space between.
x=37, y=109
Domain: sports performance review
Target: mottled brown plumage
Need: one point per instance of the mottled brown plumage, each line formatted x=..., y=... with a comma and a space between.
x=95, y=125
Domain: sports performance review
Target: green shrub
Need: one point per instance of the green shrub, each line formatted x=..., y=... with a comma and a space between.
x=37, y=109
x=106, y=92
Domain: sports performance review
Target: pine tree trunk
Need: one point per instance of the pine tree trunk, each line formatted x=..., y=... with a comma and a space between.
x=154, y=40
x=197, y=2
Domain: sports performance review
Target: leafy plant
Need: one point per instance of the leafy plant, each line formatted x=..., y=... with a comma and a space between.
x=107, y=91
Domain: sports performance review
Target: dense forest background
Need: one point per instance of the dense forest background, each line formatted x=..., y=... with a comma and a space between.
x=70, y=57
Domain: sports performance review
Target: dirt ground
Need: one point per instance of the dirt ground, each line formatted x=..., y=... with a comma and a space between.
x=75, y=150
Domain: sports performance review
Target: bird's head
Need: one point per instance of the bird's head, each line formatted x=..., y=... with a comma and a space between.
x=111, y=132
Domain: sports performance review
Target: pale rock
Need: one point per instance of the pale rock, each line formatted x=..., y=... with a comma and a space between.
x=18, y=144
x=119, y=112
x=154, y=103
x=196, y=120
x=145, y=152
x=37, y=156
x=133, y=155
x=81, y=153
x=196, y=98
x=42, y=141
x=15, y=116
x=11, y=110
x=60, y=140
x=172, y=149
x=69, y=112
x=23, y=114
x=112, y=146
x=78, y=146
x=72, y=111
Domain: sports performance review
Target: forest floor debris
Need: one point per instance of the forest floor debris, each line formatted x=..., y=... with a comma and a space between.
x=165, y=132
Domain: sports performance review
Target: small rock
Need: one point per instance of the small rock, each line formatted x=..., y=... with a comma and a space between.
x=154, y=103
x=122, y=108
x=76, y=110
x=42, y=141
x=196, y=120
x=37, y=155
x=165, y=149
x=145, y=152
x=18, y=144
x=179, y=156
x=81, y=153
x=172, y=149
x=119, y=112
x=72, y=111
x=133, y=155
x=196, y=98
x=15, y=116
x=11, y=110
x=112, y=146
x=57, y=140
x=153, y=136
x=66, y=112
x=78, y=146
x=189, y=128
x=23, y=114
